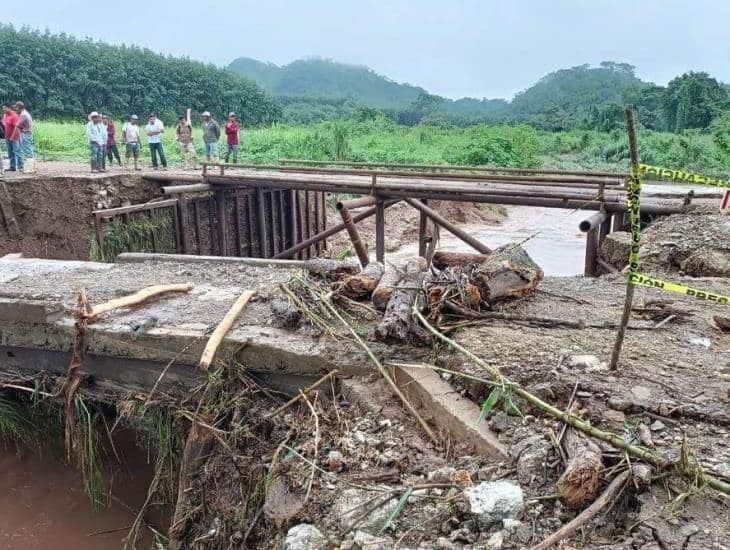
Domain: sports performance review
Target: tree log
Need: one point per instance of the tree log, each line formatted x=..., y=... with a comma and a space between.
x=508, y=272
x=390, y=279
x=363, y=284
x=222, y=329
x=331, y=269
x=137, y=298
x=397, y=321
x=443, y=259
x=579, y=483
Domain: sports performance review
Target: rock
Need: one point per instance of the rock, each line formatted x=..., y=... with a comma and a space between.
x=657, y=426
x=641, y=395
x=496, y=540
x=707, y=263
x=688, y=529
x=351, y=504
x=462, y=535
x=511, y=525
x=589, y=363
x=442, y=543
x=335, y=461
x=304, y=537
x=442, y=475
x=494, y=501
x=366, y=541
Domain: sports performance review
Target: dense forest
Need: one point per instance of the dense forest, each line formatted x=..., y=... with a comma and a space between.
x=59, y=76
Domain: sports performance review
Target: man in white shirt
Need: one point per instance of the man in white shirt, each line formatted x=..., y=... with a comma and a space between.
x=130, y=139
x=154, y=130
x=94, y=133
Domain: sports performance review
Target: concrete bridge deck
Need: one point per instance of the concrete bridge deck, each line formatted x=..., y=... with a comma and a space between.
x=128, y=348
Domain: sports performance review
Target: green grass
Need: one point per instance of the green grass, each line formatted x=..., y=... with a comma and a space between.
x=382, y=140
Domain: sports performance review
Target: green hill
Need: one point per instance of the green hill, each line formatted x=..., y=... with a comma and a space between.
x=326, y=79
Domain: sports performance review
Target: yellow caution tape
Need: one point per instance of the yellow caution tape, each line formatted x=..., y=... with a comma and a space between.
x=679, y=175
x=635, y=278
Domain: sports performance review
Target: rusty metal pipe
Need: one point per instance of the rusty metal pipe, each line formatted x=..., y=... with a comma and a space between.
x=368, y=200
x=357, y=243
x=450, y=227
x=592, y=221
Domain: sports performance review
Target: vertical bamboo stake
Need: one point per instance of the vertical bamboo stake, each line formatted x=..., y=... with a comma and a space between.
x=634, y=156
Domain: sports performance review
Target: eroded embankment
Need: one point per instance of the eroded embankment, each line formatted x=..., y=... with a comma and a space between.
x=54, y=212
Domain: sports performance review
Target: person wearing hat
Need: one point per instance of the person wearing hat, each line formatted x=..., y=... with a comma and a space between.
x=232, y=127
x=154, y=130
x=184, y=135
x=211, y=135
x=130, y=139
x=96, y=134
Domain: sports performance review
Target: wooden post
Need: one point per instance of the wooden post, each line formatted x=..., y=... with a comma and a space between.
x=634, y=155
x=619, y=221
x=604, y=229
x=293, y=218
x=249, y=224
x=357, y=243
x=591, y=252
x=99, y=234
x=176, y=225
x=220, y=200
x=182, y=217
x=237, y=221
x=422, y=228
x=261, y=215
x=380, y=231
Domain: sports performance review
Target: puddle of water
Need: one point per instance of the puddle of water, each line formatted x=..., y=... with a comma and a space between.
x=555, y=242
x=43, y=504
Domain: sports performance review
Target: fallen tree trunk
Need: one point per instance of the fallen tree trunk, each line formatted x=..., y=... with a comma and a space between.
x=579, y=483
x=363, y=284
x=443, y=259
x=508, y=272
x=397, y=321
x=330, y=269
x=390, y=279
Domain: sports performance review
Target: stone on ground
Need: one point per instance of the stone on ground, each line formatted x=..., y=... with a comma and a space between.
x=304, y=537
x=494, y=501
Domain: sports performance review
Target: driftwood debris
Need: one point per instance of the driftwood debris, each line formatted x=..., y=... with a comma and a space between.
x=443, y=259
x=331, y=269
x=397, y=320
x=508, y=272
x=607, y=498
x=388, y=282
x=579, y=483
x=222, y=329
x=361, y=285
x=137, y=298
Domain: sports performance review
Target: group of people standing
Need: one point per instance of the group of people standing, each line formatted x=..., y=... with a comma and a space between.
x=101, y=133
x=17, y=130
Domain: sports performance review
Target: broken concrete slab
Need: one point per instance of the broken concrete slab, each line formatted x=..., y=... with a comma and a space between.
x=449, y=410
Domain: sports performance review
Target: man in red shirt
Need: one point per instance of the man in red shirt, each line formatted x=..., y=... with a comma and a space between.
x=112, y=150
x=12, y=137
x=232, y=128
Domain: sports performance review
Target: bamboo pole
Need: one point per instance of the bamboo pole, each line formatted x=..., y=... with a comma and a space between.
x=628, y=300
x=222, y=329
x=302, y=393
x=357, y=243
x=137, y=298
x=574, y=421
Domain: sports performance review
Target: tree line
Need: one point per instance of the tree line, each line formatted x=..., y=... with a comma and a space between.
x=59, y=76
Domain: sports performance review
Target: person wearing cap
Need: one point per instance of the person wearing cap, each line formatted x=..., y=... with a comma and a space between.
x=130, y=139
x=96, y=134
x=154, y=130
x=184, y=135
x=112, y=151
x=232, y=127
x=211, y=135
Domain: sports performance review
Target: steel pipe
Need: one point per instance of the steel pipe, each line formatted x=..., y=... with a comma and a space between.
x=450, y=227
x=368, y=200
x=592, y=221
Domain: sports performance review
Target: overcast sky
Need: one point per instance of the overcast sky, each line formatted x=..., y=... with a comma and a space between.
x=455, y=48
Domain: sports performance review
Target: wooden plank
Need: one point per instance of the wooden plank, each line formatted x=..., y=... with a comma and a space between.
x=99, y=235
x=148, y=206
x=380, y=231
x=182, y=216
x=294, y=219
x=261, y=219
x=282, y=221
x=317, y=247
x=307, y=222
x=237, y=221
x=153, y=233
x=591, y=252
x=196, y=218
x=272, y=221
x=176, y=226
x=422, y=227
x=220, y=201
x=212, y=235
x=249, y=224
x=6, y=206
x=323, y=199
